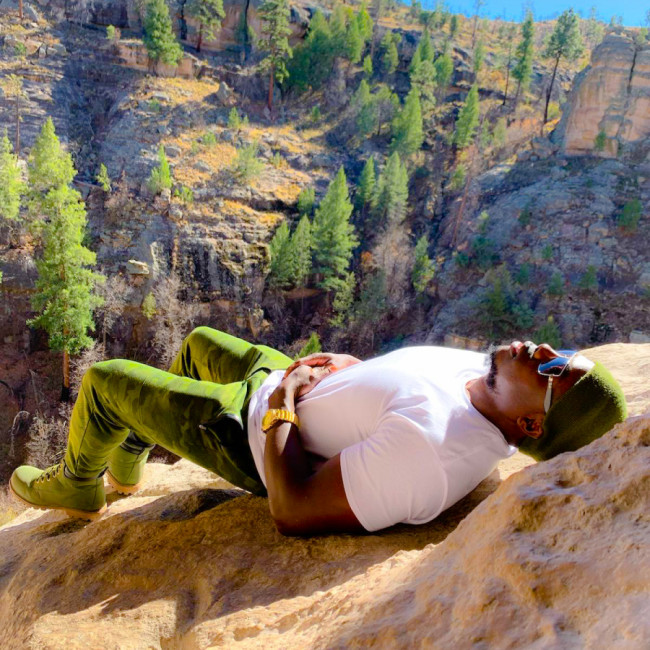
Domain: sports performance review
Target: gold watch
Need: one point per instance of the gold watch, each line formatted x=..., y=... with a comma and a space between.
x=273, y=416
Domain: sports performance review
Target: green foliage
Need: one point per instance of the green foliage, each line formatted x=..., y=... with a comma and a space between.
x=312, y=64
x=208, y=139
x=275, y=29
x=547, y=252
x=343, y=299
x=391, y=196
x=600, y=141
x=549, y=333
x=522, y=275
x=526, y=215
x=373, y=299
x=367, y=66
x=423, y=80
x=234, y=121
x=553, y=110
x=103, y=178
x=313, y=345
x=364, y=21
x=594, y=28
x=499, y=133
x=478, y=58
x=306, y=200
x=194, y=147
x=111, y=33
x=20, y=49
x=483, y=253
x=280, y=268
x=457, y=180
x=315, y=114
x=629, y=218
x=300, y=250
x=277, y=160
x=185, y=194
x=354, y=42
x=159, y=38
x=524, y=53
x=209, y=14
x=161, y=176
x=453, y=26
x=589, y=279
x=423, y=267
x=565, y=41
x=556, y=284
x=425, y=48
x=367, y=181
x=333, y=235
x=64, y=296
x=407, y=126
x=390, y=56
x=154, y=106
x=444, y=66
x=247, y=165
x=482, y=220
x=461, y=259
x=365, y=110
x=12, y=186
x=467, y=120
x=148, y=307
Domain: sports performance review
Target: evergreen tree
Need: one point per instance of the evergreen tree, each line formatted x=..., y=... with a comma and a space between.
x=391, y=196
x=312, y=63
x=564, y=42
x=467, y=121
x=366, y=188
x=425, y=47
x=353, y=42
x=390, y=58
x=423, y=267
x=209, y=14
x=423, y=79
x=275, y=29
x=12, y=85
x=594, y=28
x=338, y=29
x=372, y=305
x=161, y=176
x=444, y=66
x=159, y=38
x=103, y=179
x=333, y=235
x=453, y=26
x=365, y=110
x=12, y=186
x=300, y=252
x=65, y=285
x=364, y=21
x=367, y=66
x=416, y=61
x=48, y=167
x=524, y=67
x=306, y=200
x=343, y=299
x=407, y=126
x=384, y=104
x=479, y=57
x=280, y=268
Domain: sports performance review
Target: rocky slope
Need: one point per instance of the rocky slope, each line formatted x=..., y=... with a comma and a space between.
x=555, y=556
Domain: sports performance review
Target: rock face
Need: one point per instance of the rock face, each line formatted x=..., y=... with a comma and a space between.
x=612, y=96
x=555, y=557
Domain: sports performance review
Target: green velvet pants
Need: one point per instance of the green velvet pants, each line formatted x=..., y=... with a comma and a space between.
x=198, y=409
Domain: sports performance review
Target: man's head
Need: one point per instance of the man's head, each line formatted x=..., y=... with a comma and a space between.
x=584, y=400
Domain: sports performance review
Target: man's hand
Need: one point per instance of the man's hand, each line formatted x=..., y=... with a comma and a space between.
x=329, y=360
x=302, y=379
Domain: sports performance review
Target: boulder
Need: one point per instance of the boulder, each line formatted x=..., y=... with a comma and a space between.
x=554, y=556
x=134, y=267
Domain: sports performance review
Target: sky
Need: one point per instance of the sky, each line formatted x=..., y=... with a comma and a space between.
x=633, y=12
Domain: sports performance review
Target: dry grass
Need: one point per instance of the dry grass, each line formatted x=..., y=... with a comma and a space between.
x=10, y=508
x=186, y=90
x=245, y=212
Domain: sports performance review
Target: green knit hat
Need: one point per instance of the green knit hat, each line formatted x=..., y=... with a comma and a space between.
x=589, y=409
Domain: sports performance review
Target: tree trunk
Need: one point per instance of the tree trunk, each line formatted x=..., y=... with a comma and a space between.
x=270, y=97
x=20, y=10
x=461, y=208
x=505, y=97
x=17, y=144
x=548, y=94
x=65, y=389
x=198, y=43
x=517, y=94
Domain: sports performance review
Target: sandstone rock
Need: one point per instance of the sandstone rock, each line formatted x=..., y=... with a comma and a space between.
x=172, y=150
x=636, y=336
x=612, y=95
x=134, y=267
x=556, y=557
x=224, y=93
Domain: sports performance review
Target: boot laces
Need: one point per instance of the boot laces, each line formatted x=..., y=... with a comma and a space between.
x=50, y=472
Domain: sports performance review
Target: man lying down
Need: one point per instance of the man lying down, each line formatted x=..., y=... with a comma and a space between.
x=337, y=444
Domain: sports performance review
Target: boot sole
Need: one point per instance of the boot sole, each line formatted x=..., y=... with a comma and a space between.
x=89, y=515
x=121, y=488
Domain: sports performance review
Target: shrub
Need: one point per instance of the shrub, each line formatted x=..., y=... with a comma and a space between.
x=525, y=215
x=20, y=49
x=154, y=106
x=547, y=252
x=247, y=165
x=589, y=280
x=556, y=284
x=277, y=160
x=234, y=121
x=457, y=180
x=629, y=218
x=113, y=33
x=312, y=345
x=209, y=139
x=306, y=200
x=194, y=149
x=148, y=307
x=461, y=259
x=315, y=114
x=553, y=111
x=549, y=333
x=483, y=253
x=600, y=141
x=103, y=179
x=522, y=275
x=185, y=194
x=161, y=176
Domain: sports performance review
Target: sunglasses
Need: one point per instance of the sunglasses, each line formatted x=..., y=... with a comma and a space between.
x=552, y=369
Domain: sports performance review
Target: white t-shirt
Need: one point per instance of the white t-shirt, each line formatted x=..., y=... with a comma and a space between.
x=411, y=442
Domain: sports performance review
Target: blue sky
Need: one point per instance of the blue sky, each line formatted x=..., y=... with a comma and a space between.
x=632, y=11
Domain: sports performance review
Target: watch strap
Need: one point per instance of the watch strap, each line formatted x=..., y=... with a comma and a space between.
x=273, y=416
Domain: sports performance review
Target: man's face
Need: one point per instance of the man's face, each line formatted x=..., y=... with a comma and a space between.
x=517, y=389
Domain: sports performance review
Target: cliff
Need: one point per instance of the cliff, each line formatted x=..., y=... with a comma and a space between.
x=555, y=556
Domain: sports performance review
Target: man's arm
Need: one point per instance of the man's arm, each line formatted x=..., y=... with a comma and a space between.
x=302, y=502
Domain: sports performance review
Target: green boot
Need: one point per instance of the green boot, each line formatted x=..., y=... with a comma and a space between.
x=57, y=488
x=126, y=465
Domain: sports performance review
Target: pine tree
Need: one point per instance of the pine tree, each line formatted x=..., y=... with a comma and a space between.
x=407, y=126
x=12, y=85
x=390, y=56
x=391, y=196
x=159, y=37
x=523, y=69
x=300, y=252
x=65, y=285
x=364, y=109
x=306, y=198
x=343, y=299
x=367, y=66
x=333, y=235
x=12, y=186
x=467, y=119
x=444, y=66
x=366, y=187
x=209, y=14
x=365, y=23
x=103, y=178
x=453, y=26
x=338, y=29
x=479, y=58
x=161, y=176
x=280, y=268
x=275, y=29
x=353, y=42
x=423, y=79
x=423, y=267
x=425, y=47
x=416, y=61
x=564, y=42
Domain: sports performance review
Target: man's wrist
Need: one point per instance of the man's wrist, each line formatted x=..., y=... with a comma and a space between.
x=282, y=398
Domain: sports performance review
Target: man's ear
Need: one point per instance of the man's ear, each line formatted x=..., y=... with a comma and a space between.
x=531, y=425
